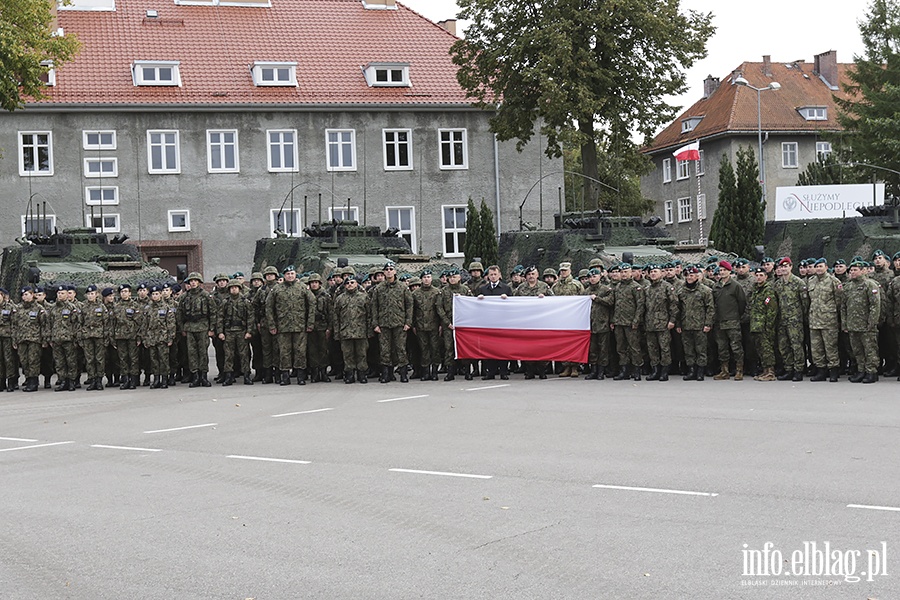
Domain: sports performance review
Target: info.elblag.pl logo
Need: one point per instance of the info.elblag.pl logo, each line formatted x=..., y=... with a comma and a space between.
x=812, y=564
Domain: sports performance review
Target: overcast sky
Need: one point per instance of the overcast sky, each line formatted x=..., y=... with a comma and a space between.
x=786, y=30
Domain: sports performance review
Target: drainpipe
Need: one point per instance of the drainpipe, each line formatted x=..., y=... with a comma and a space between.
x=497, y=181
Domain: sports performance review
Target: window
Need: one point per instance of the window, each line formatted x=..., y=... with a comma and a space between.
x=163, y=72
x=162, y=152
x=667, y=210
x=397, y=150
x=690, y=124
x=814, y=113
x=454, y=230
x=403, y=218
x=683, y=168
x=274, y=74
x=343, y=213
x=101, y=167
x=823, y=149
x=454, y=154
x=106, y=223
x=667, y=170
x=99, y=140
x=685, y=210
x=701, y=207
x=179, y=220
x=248, y=3
x=341, y=146
x=789, y=155
x=700, y=166
x=106, y=195
x=282, y=150
x=387, y=75
x=33, y=226
x=222, y=153
x=35, y=153
x=285, y=221
x=48, y=76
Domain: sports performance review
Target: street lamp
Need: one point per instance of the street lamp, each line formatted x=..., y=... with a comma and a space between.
x=762, y=164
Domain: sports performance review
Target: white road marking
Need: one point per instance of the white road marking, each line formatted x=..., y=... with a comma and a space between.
x=404, y=398
x=441, y=473
x=302, y=412
x=125, y=448
x=656, y=490
x=17, y=439
x=182, y=428
x=890, y=508
x=35, y=446
x=489, y=387
x=278, y=460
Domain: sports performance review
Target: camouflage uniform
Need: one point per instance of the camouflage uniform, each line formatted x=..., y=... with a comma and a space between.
x=660, y=309
x=157, y=334
x=427, y=325
x=883, y=276
x=9, y=367
x=825, y=300
x=267, y=341
x=317, y=344
x=125, y=324
x=628, y=314
x=445, y=314
x=291, y=314
x=28, y=337
x=763, y=313
x=731, y=304
x=793, y=300
x=860, y=315
x=747, y=284
x=392, y=310
x=696, y=310
x=351, y=327
x=234, y=320
x=567, y=286
x=601, y=309
x=196, y=318
x=64, y=322
x=95, y=336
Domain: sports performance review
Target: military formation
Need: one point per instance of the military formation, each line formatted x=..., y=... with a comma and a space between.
x=718, y=319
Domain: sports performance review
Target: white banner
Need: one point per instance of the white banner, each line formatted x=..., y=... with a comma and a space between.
x=825, y=201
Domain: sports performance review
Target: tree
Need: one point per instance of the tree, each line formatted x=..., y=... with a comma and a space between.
x=828, y=170
x=722, y=230
x=586, y=71
x=490, y=254
x=869, y=114
x=620, y=171
x=472, y=245
x=740, y=218
x=28, y=49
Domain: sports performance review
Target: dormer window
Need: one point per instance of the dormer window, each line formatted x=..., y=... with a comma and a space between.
x=814, y=113
x=49, y=76
x=387, y=75
x=690, y=124
x=156, y=72
x=274, y=73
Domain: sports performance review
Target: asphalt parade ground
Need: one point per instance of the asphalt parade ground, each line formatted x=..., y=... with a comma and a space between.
x=562, y=488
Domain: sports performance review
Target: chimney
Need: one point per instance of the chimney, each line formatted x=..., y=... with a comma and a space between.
x=54, y=17
x=449, y=25
x=710, y=85
x=767, y=65
x=736, y=74
x=825, y=66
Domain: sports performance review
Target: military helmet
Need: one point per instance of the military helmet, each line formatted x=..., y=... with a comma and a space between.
x=220, y=277
x=476, y=266
x=583, y=273
x=270, y=270
x=234, y=283
x=314, y=277
x=349, y=272
x=256, y=275
x=413, y=281
x=550, y=271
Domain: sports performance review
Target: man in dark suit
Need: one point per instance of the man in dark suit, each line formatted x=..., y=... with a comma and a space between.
x=493, y=286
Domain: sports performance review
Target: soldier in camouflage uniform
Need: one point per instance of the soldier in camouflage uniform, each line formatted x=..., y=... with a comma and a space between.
x=731, y=305
x=9, y=367
x=860, y=315
x=567, y=286
x=882, y=275
x=317, y=343
x=660, y=314
x=825, y=300
x=696, y=314
x=392, y=312
x=444, y=308
x=257, y=281
x=267, y=341
x=94, y=334
x=427, y=325
x=793, y=304
x=158, y=334
x=628, y=315
x=29, y=337
x=63, y=324
x=196, y=319
x=234, y=326
x=291, y=315
x=125, y=322
x=351, y=327
x=602, y=299
x=763, y=315
x=219, y=295
x=532, y=286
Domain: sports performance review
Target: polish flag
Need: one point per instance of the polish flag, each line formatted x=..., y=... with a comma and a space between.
x=689, y=152
x=523, y=328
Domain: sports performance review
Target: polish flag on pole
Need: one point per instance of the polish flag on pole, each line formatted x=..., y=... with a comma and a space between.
x=689, y=152
x=524, y=328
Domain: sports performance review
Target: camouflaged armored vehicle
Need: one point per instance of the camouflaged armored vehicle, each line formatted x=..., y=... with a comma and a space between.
x=76, y=256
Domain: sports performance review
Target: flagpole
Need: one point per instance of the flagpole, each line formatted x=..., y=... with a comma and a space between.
x=699, y=213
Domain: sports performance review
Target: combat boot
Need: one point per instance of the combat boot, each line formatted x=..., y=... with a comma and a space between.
x=566, y=372
x=723, y=374
x=348, y=376
x=768, y=374
x=195, y=380
x=301, y=376
x=154, y=383
x=529, y=370
x=269, y=375
x=187, y=376
x=323, y=375
x=46, y=382
x=146, y=380
x=31, y=384
x=691, y=374
x=623, y=373
x=488, y=374
x=739, y=371
x=12, y=384
x=835, y=373
x=856, y=377
x=163, y=380
x=204, y=381
x=123, y=382
x=258, y=375
x=654, y=374
x=636, y=374
x=173, y=381
x=247, y=379
x=61, y=385
x=91, y=384
x=404, y=378
x=468, y=373
x=315, y=376
x=434, y=372
x=542, y=370
x=870, y=378
x=575, y=372
x=385, y=374
x=819, y=376
x=99, y=384
x=701, y=372
x=228, y=379
x=798, y=376
x=786, y=376
x=601, y=372
x=361, y=376
x=451, y=372
x=663, y=373
x=593, y=373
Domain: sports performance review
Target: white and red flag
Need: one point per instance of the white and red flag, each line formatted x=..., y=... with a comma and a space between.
x=689, y=152
x=523, y=328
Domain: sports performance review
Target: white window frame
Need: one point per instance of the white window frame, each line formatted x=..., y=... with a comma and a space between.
x=385, y=75
x=690, y=124
x=51, y=73
x=682, y=169
x=685, y=206
x=452, y=142
x=179, y=212
x=101, y=160
x=244, y=3
x=21, y=141
x=51, y=218
x=823, y=149
x=667, y=170
x=260, y=69
x=701, y=169
x=113, y=191
x=790, y=150
x=354, y=213
x=115, y=227
x=814, y=113
x=87, y=145
x=396, y=145
x=281, y=144
x=273, y=221
x=411, y=232
x=701, y=207
x=455, y=231
x=340, y=144
x=163, y=144
x=668, y=212
x=140, y=69
x=218, y=148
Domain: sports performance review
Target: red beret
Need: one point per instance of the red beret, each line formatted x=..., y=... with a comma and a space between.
x=724, y=264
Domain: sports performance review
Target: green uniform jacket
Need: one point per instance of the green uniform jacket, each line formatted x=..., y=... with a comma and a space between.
x=235, y=315
x=601, y=306
x=660, y=306
x=425, y=315
x=539, y=288
x=731, y=304
x=445, y=304
x=861, y=308
x=196, y=312
x=31, y=319
x=763, y=308
x=8, y=312
x=351, y=315
x=392, y=305
x=64, y=321
x=95, y=320
x=290, y=308
x=696, y=307
x=826, y=295
x=628, y=309
x=567, y=287
x=157, y=324
x=324, y=306
x=126, y=319
x=793, y=298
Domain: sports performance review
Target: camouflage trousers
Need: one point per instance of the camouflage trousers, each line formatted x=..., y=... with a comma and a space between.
x=864, y=345
x=128, y=351
x=430, y=342
x=291, y=350
x=449, y=346
x=824, y=348
x=269, y=345
x=628, y=345
x=598, y=354
x=219, y=347
x=317, y=349
x=354, y=352
x=790, y=346
x=730, y=344
x=393, y=346
x=9, y=366
x=197, y=351
x=659, y=347
x=159, y=358
x=94, y=356
x=764, y=342
x=30, y=357
x=236, y=347
x=694, y=343
x=65, y=360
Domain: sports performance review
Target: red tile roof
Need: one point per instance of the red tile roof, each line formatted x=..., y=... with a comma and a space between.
x=732, y=108
x=330, y=40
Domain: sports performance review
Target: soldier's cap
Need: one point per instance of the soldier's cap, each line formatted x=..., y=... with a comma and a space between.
x=692, y=270
x=676, y=261
x=425, y=272
x=70, y=287
x=176, y=288
x=167, y=286
x=724, y=264
x=531, y=269
x=550, y=271
x=784, y=260
x=760, y=270
x=143, y=285
x=565, y=266
x=767, y=259
x=60, y=288
x=624, y=266
x=595, y=262
x=583, y=273
x=710, y=267
x=107, y=292
x=38, y=289
x=4, y=291
x=649, y=267
x=220, y=276
x=374, y=270
x=194, y=275
x=811, y=261
x=518, y=269
x=740, y=262
x=390, y=265
x=614, y=269
x=859, y=264
x=715, y=270
x=878, y=253
x=452, y=272
x=856, y=258
x=654, y=267
x=803, y=262
x=712, y=259
x=349, y=279
x=839, y=261
x=256, y=275
x=896, y=256
x=25, y=289
x=290, y=268
x=271, y=269
x=821, y=261
x=237, y=274
x=414, y=281
x=403, y=276
x=595, y=271
x=476, y=266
